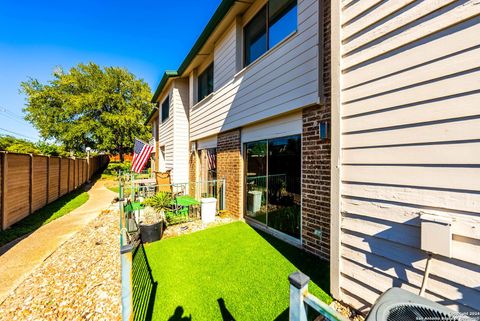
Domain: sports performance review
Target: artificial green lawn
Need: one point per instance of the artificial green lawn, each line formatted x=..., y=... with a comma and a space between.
x=232, y=271
x=52, y=211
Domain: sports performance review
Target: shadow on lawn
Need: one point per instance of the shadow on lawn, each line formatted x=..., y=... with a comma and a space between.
x=317, y=269
x=178, y=315
x=226, y=315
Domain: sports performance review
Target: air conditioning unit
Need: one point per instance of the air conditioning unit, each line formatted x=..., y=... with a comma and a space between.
x=400, y=305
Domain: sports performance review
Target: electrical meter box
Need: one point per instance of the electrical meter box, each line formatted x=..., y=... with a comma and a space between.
x=436, y=234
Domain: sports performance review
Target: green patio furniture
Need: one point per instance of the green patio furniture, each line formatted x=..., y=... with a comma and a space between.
x=134, y=206
x=186, y=200
x=182, y=206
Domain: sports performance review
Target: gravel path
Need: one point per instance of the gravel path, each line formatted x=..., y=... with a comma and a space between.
x=79, y=281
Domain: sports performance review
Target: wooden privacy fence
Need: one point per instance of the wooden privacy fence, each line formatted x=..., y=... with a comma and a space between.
x=29, y=182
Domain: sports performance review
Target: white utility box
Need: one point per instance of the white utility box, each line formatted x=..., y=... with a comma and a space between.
x=254, y=201
x=208, y=209
x=436, y=234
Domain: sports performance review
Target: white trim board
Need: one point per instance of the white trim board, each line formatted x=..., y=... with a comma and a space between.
x=276, y=233
x=278, y=127
x=205, y=143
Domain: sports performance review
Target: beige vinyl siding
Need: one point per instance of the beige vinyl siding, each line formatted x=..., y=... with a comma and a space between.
x=166, y=132
x=224, y=58
x=181, y=133
x=282, y=80
x=410, y=145
x=174, y=132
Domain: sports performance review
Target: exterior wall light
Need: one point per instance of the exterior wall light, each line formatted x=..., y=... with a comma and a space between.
x=324, y=130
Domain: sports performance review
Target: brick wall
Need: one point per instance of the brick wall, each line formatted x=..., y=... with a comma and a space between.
x=230, y=167
x=315, y=183
x=316, y=163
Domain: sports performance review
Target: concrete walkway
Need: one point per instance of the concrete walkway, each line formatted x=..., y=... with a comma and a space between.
x=30, y=252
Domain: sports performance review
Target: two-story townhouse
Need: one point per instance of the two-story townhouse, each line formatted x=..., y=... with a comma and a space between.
x=169, y=122
x=256, y=105
x=399, y=81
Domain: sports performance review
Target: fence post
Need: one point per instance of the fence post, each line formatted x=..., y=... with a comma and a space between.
x=224, y=186
x=75, y=173
x=68, y=175
x=88, y=167
x=3, y=221
x=60, y=176
x=298, y=287
x=126, y=255
x=48, y=179
x=30, y=197
x=127, y=295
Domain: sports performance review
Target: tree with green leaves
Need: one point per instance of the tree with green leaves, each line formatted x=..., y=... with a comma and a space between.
x=90, y=106
x=18, y=145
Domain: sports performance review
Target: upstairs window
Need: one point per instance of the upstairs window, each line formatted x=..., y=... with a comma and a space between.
x=205, y=83
x=155, y=130
x=165, y=109
x=270, y=25
x=255, y=35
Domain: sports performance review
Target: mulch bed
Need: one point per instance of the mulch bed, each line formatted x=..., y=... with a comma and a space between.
x=79, y=281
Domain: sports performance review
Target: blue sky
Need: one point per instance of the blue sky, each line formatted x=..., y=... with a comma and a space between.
x=145, y=36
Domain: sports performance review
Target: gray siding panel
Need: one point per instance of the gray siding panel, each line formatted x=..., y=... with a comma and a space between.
x=224, y=58
x=410, y=132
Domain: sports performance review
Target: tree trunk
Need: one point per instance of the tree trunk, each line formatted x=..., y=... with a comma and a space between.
x=120, y=149
x=120, y=153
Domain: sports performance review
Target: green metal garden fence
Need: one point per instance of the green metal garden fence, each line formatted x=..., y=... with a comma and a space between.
x=138, y=285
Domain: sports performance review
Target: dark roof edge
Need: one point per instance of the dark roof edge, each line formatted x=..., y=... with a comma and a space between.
x=168, y=74
x=149, y=118
x=217, y=17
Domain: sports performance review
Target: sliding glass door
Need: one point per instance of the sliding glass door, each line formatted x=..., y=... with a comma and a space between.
x=208, y=173
x=274, y=183
x=256, y=182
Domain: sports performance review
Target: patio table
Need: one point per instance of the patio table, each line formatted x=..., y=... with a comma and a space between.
x=186, y=205
x=146, y=181
x=185, y=200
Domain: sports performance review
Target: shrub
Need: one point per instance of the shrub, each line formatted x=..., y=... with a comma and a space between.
x=160, y=201
x=115, y=167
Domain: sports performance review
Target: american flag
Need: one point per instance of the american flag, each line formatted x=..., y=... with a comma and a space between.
x=141, y=154
x=212, y=159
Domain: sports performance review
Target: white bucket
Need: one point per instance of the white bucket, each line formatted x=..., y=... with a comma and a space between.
x=208, y=209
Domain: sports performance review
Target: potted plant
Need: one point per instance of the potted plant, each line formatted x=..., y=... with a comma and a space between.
x=151, y=225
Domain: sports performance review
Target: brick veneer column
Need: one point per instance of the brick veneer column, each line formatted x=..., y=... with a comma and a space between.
x=230, y=167
x=316, y=162
x=315, y=183
x=192, y=173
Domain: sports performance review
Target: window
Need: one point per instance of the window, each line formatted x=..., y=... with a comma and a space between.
x=205, y=83
x=165, y=109
x=273, y=183
x=207, y=185
x=256, y=37
x=155, y=130
x=271, y=25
